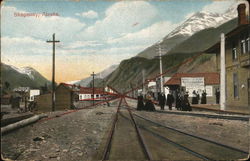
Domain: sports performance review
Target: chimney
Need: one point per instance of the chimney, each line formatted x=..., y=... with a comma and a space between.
x=242, y=18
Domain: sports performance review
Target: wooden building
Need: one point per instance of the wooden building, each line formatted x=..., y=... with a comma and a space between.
x=237, y=62
x=66, y=96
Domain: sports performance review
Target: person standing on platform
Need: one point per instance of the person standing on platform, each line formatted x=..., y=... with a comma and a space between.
x=217, y=95
x=140, y=104
x=149, y=106
x=194, y=98
x=162, y=100
x=185, y=103
x=204, y=97
x=170, y=100
x=178, y=101
x=197, y=97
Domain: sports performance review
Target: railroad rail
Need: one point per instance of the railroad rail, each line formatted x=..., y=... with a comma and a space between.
x=159, y=142
x=137, y=150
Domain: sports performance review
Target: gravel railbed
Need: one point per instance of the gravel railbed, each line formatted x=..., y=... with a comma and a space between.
x=230, y=132
x=74, y=136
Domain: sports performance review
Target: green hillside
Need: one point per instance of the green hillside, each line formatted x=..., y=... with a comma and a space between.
x=16, y=79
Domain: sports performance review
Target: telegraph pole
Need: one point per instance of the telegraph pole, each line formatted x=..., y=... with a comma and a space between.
x=93, y=87
x=53, y=70
x=143, y=81
x=160, y=61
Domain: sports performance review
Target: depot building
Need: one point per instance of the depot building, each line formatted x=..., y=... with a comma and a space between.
x=199, y=82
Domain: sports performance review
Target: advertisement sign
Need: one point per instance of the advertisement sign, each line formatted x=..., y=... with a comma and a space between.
x=191, y=84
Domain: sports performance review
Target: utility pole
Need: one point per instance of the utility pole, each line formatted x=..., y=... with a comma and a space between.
x=93, y=86
x=160, y=62
x=143, y=81
x=53, y=70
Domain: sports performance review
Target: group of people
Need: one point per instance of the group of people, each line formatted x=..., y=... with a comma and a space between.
x=196, y=97
x=149, y=105
x=182, y=102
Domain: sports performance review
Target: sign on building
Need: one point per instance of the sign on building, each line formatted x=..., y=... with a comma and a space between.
x=194, y=83
x=209, y=91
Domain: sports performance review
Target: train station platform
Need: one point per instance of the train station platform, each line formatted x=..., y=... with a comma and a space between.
x=216, y=108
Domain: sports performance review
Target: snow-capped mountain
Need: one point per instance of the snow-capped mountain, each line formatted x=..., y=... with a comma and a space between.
x=101, y=75
x=25, y=70
x=22, y=77
x=195, y=23
x=202, y=20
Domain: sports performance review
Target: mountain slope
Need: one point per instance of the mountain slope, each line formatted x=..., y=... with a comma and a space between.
x=197, y=22
x=86, y=81
x=204, y=39
x=129, y=71
x=22, y=77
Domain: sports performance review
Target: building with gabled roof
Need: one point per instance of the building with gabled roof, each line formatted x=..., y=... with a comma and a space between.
x=199, y=82
x=237, y=61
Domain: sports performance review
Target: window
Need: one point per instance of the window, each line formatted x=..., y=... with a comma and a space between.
x=243, y=46
x=248, y=44
x=235, y=85
x=234, y=54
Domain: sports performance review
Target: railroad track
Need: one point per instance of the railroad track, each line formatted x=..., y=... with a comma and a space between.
x=133, y=137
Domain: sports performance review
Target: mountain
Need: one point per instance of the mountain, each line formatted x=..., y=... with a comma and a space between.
x=197, y=22
x=203, y=39
x=187, y=41
x=86, y=81
x=22, y=77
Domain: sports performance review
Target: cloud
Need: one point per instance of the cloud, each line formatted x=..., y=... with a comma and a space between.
x=81, y=44
x=90, y=14
x=119, y=18
x=146, y=36
x=28, y=51
x=219, y=6
x=41, y=27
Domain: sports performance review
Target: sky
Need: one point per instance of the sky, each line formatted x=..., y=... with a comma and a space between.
x=93, y=35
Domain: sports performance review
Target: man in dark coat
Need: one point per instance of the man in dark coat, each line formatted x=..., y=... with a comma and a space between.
x=162, y=100
x=170, y=100
x=194, y=98
x=204, y=97
x=140, y=104
x=217, y=95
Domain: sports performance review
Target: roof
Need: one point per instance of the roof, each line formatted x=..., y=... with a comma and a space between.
x=70, y=87
x=210, y=78
x=82, y=90
x=237, y=31
x=89, y=90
